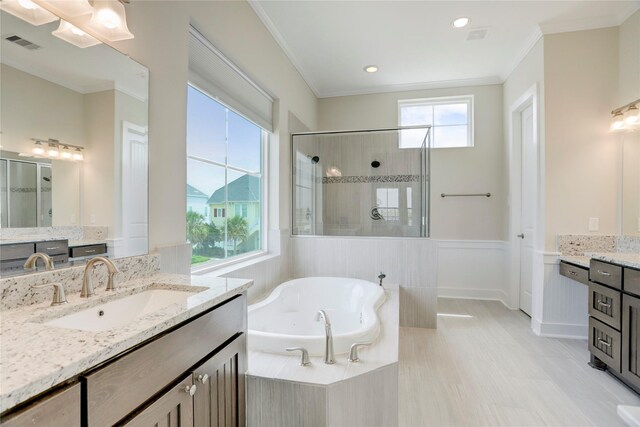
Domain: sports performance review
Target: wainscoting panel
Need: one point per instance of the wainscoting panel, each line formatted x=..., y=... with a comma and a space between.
x=472, y=269
x=565, y=305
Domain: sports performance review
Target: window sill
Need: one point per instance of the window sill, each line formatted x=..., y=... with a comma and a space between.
x=230, y=266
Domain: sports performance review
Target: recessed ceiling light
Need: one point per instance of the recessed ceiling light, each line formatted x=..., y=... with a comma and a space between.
x=461, y=22
x=371, y=68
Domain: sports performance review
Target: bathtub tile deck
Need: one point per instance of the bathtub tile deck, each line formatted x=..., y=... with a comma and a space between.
x=491, y=369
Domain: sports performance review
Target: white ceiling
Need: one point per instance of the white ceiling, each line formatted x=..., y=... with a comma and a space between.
x=93, y=69
x=414, y=43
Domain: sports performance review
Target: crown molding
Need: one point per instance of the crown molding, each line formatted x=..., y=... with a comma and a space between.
x=593, y=23
x=279, y=38
x=531, y=41
x=442, y=84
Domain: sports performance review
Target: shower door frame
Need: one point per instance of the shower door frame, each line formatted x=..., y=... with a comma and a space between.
x=425, y=169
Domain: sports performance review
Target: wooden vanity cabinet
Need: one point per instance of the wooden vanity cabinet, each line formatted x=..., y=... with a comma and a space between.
x=630, y=367
x=219, y=400
x=157, y=382
x=58, y=409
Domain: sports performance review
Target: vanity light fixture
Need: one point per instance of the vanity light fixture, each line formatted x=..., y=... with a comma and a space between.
x=55, y=150
x=74, y=35
x=28, y=11
x=109, y=20
x=69, y=8
x=626, y=118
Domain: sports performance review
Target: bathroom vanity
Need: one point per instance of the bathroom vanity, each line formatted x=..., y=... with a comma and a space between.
x=183, y=364
x=614, y=311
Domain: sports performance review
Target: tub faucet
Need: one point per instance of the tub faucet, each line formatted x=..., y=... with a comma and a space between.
x=329, y=357
x=87, y=284
x=381, y=276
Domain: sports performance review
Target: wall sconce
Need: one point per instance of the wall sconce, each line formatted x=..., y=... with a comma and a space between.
x=626, y=118
x=28, y=11
x=109, y=20
x=74, y=35
x=56, y=150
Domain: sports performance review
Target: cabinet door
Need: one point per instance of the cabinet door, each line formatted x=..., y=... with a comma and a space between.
x=59, y=409
x=631, y=339
x=172, y=409
x=220, y=400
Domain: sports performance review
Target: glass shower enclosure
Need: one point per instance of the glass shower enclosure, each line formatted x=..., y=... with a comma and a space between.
x=371, y=183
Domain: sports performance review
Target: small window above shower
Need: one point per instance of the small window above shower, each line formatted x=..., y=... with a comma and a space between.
x=360, y=183
x=451, y=119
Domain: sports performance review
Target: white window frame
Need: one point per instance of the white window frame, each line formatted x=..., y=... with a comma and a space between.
x=212, y=266
x=442, y=100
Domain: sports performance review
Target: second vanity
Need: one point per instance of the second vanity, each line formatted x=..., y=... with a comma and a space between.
x=182, y=358
x=614, y=310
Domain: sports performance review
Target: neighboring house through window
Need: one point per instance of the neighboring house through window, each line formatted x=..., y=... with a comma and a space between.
x=451, y=119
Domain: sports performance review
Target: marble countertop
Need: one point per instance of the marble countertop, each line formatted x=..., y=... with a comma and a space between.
x=625, y=259
x=383, y=352
x=44, y=238
x=582, y=261
x=35, y=357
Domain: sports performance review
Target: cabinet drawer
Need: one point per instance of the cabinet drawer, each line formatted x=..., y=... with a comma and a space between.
x=16, y=251
x=605, y=273
x=89, y=250
x=578, y=274
x=605, y=343
x=59, y=409
x=632, y=281
x=54, y=247
x=604, y=305
x=123, y=385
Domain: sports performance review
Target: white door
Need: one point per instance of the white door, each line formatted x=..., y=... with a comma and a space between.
x=527, y=209
x=135, y=167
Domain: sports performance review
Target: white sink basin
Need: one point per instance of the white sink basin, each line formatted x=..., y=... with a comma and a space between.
x=120, y=312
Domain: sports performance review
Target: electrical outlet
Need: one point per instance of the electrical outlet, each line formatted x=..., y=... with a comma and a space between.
x=92, y=219
x=594, y=224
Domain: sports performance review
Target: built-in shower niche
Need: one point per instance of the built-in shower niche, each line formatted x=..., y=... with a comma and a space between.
x=361, y=183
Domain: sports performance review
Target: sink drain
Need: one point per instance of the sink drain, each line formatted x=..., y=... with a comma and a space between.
x=100, y=313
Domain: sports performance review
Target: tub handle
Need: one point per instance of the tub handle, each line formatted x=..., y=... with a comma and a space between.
x=304, y=359
x=353, y=354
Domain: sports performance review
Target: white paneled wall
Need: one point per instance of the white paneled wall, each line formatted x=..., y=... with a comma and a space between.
x=409, y=262
x=474, y=269
x=565, y=304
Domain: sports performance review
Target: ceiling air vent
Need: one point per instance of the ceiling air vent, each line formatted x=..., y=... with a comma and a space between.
x=477, y=34
x=22, y=42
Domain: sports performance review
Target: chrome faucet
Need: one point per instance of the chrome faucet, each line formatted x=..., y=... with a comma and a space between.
x=381, y=276
x=33, y=259
x=329, y=357
x=59, y=297
x=87, y=284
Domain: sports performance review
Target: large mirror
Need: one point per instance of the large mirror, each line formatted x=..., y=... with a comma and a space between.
x=631, y=183
x=74, y=147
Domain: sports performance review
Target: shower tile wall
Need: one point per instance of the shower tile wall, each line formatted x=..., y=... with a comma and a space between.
x=346, y=198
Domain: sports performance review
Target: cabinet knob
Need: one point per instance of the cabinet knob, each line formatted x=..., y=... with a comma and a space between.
x=520, y=235
x=203, y=378
x=191, y=389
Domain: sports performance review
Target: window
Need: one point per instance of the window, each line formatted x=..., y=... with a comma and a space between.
x=224, y=174
x=388, y=203
x=451, y=119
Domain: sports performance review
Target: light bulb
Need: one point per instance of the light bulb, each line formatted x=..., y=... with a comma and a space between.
x=38, y=150
x=66, y=153
x=78, y=155
x=53, y=152
x=108, y=18
x=27, y=4
x=632, y=116
x=617, y=122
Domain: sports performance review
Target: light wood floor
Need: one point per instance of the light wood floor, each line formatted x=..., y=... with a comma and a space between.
x=490, y=369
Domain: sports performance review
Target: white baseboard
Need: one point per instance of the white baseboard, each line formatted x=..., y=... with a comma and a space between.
x=482, y=294
x=560, y=330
